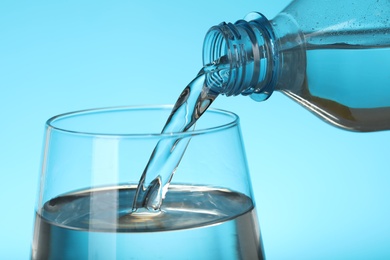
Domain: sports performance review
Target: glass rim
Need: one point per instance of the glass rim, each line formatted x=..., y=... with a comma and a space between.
x=234, y=121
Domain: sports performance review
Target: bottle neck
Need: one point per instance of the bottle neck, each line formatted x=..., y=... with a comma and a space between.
x=250, y=50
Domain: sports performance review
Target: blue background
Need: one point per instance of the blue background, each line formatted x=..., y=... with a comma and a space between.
x=321, y=192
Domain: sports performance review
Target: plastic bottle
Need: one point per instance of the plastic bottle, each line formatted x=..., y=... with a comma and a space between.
x=331, y=56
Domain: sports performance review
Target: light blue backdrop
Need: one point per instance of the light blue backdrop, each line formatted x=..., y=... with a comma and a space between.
x=322, y=193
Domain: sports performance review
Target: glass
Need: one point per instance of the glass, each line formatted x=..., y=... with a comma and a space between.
x=92, y=162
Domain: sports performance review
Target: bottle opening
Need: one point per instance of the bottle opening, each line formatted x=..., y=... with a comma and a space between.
x=248, y=49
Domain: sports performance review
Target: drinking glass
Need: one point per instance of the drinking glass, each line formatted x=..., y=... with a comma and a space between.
x=91, y=165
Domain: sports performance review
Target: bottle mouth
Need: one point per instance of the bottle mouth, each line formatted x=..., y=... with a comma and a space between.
x=221, y=50
x=215, y=56
x=246, y=48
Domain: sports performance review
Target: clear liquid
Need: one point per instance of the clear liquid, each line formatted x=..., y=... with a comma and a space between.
x=347, y=86
x=191, y=104
x=197, y=222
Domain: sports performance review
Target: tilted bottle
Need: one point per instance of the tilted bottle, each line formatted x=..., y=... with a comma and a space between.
x=331, y=56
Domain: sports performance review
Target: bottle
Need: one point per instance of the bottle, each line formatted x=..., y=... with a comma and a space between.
x=331, y=56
